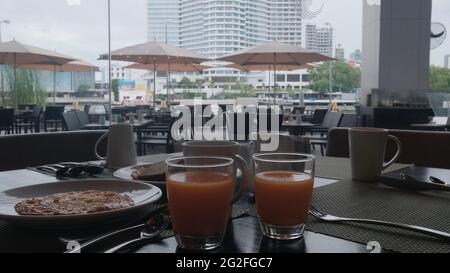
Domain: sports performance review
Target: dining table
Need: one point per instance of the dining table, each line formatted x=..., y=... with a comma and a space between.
x=334, y=192
x=297, y=128
x=431, y=127
x=105, y=126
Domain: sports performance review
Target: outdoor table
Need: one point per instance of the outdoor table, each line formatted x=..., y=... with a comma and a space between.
x=22, y=113
x=98, y=126
x=295, y=128
x=431, y=127
x=243, y=234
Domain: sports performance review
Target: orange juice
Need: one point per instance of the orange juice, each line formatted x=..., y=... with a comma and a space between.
x=283, y=198
x=199, y=202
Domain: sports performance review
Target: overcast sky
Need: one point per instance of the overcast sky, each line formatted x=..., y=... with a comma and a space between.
x=81, y=31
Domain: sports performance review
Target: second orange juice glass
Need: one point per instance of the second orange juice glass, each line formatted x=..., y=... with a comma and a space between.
x=283, y=190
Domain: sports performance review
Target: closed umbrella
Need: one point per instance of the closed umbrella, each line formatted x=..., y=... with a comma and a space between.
x=156, y=53
x=75, y=66
x=276, y=54
x=15, y=53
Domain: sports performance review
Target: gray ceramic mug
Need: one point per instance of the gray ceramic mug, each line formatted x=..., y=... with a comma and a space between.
x=222, y=149
x=121, y=150
x=368, y=151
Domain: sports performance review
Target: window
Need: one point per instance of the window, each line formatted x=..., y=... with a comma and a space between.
x=293, y=77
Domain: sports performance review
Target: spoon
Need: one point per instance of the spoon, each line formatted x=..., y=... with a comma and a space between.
x=147, y=228
x=154, y=227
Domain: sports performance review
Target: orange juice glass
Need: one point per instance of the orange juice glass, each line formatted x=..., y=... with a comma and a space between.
x=283, y=190
x=200, y=194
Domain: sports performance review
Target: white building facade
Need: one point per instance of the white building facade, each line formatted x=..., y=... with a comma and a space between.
x=447, y=61
x=319, y=39
x=163, y=21
x=218, y=27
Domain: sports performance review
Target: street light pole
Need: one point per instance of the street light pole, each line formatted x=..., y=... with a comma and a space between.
x=1, y=66
x=109, y=61
x=330, y=88
x=167, y=38
x=7, y=22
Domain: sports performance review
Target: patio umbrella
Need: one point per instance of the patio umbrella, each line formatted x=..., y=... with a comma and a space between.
x=15, y=53
x=75, y=66
x=275, y=53
x=155, y=53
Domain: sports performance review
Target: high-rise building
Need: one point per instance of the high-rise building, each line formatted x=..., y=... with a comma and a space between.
x=339, y=53
x=356, y=56
x=447, y=61
x=319, y=39
x=163, y=21
x=285, y=21
x=216, y=27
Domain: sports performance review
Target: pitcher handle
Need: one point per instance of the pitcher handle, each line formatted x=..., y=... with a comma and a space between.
x=397, y=155
x=243, y=166
x=99, y=157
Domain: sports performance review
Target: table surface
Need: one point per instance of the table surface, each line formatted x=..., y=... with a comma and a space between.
x=243, y=235
x=294, y=123
x=432, y=125
x=107, y=124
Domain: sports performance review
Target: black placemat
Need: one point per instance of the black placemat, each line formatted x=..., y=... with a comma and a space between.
x=20, y=239
x=374, y=201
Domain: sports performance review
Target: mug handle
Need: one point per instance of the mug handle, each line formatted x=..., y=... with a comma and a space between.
x=99, y=157
x=397, y=155
x=243, y=166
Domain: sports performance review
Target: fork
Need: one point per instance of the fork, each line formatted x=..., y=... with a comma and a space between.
x=422, y=230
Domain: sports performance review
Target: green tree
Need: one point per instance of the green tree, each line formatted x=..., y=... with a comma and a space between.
x=345, y=77
x=82, y=90
x=192, y=95
x=22, y=87
x=26, y=89
x=186, y=83
x=115, y=89
x=439, y=78
x=199, y=83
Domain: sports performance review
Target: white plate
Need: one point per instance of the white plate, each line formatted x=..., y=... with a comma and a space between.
x=126, y=173
x=143, y=195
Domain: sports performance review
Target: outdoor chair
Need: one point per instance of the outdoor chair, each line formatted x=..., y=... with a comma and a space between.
x=30, y=123
x=7, y=120
x=298, y=110
x=53, y=116
x=332, y=120
x=27, y=106
x=317, y=117
x=71, y=121
x=155, y=136
x=97, y=111
x=279, y=118
x=32, y=150
x=83, y=118
x=286, y=142
x=349, y=121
